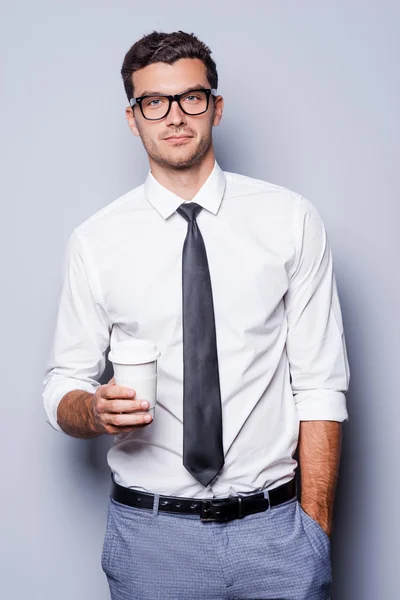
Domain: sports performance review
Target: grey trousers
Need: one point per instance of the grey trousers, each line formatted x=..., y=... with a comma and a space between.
x=279, y=554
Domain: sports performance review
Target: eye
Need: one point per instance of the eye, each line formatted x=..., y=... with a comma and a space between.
x=155, y=102
x=192, y=98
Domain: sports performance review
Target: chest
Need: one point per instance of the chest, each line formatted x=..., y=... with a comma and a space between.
x=142, y=276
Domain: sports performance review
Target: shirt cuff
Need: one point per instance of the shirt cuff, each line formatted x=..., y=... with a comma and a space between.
x=321, y=405
x=53, y=397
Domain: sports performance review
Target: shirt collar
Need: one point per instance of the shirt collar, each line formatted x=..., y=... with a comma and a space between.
x=209, y=195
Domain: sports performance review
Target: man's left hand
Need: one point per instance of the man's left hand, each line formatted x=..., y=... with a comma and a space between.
x=320, y=515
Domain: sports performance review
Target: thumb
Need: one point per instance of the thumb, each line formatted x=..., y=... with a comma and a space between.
x=112, y=381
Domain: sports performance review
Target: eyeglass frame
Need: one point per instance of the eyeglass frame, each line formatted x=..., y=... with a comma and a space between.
x=173, y=98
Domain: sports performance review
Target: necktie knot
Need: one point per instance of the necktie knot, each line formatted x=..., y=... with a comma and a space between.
x=189, y=211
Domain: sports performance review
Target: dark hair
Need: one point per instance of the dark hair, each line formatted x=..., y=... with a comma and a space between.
x=166, y=48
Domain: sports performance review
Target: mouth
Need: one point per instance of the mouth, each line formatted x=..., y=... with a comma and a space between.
x=178, y=138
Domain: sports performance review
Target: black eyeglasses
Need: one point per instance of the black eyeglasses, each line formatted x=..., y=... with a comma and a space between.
x=192, y=102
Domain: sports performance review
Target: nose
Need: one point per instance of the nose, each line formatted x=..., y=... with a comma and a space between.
x=176, y=116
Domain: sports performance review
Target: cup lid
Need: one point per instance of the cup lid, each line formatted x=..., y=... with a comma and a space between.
x=134, y=352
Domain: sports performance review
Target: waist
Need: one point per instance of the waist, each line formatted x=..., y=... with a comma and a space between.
x=159, y=476
x=151, y=459
x=215, y=509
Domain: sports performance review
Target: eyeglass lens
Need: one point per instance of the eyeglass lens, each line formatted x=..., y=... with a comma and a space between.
x=156, y=107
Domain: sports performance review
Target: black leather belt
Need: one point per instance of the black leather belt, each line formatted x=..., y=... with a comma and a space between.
x=209, y=509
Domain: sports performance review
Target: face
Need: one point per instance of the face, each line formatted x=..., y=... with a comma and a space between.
x=177, y=141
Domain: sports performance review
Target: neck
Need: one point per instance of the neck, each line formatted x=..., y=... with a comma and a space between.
x=185, y=183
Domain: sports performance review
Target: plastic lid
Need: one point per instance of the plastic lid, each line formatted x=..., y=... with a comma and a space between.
x=134, y=352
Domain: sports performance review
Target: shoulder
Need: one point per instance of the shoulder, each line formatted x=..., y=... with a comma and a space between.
x=266, y=193
x=111, y=215
x=242, y=185
x=275, y=205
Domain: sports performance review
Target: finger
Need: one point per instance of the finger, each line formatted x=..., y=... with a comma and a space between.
x=112, y=381
x=117, y=391
x=127, y=420
x=125, y=406
x=112, y=430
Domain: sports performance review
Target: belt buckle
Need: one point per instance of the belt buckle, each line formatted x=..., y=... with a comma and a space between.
x=205, y=511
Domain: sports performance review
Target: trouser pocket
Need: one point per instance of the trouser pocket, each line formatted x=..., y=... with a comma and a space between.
x=108, y=542
x=317, y=537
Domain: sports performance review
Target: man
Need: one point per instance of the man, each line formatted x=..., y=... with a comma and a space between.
x=232, y=279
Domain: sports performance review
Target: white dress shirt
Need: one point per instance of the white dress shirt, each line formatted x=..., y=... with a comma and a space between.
x=281, y=347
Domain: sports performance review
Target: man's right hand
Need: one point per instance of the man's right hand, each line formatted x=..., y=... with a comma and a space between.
x=115, y=409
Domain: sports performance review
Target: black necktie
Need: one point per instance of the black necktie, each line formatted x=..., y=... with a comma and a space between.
x=203, y=454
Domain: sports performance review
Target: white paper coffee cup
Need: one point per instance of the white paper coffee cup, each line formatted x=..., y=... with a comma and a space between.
x=135, y=366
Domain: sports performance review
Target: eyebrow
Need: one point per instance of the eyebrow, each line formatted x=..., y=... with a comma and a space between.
x=157, y=93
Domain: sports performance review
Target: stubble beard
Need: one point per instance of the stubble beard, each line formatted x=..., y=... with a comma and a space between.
x=176, y=161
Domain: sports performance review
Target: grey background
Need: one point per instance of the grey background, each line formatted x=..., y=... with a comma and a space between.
x=325, y=123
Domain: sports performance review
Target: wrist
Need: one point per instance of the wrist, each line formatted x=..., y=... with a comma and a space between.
x=94, y=422
x=320, y=512
x=75, y=415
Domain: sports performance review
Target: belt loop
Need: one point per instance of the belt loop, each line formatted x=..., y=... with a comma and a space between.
x=155, y=505
x=240, y=507
x=266, y=495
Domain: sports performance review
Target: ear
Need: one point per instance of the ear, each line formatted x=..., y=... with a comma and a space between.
x=130, y=117
x=218, y=110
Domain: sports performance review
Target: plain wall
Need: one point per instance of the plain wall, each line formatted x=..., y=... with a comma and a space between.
x=312, y=96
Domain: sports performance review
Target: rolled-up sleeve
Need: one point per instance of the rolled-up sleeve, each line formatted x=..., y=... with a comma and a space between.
x=315, y=346
x=81, y=339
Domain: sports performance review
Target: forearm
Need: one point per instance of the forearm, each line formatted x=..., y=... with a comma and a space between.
x=75, y=415
x=319, y=456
